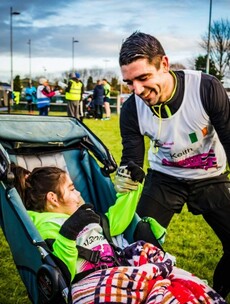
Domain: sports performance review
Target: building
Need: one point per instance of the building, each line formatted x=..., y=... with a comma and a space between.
x=4, y=94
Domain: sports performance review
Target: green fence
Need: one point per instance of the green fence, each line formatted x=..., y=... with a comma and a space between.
x=59, y=104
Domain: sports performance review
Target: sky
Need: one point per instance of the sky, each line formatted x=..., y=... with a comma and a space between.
x=99, y=26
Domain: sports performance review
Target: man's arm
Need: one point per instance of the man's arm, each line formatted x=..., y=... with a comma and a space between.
x=132, y=139
x=69, y=86
x=216, y=103
x=48, y=94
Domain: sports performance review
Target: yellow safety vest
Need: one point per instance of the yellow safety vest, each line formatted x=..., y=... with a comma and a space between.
x=17, y=97
x=75, y=91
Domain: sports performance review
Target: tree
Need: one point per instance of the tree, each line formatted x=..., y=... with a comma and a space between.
x=114, y=83
x=219, y=45
x=17, y=84
x=90, y=85
x=200, y=64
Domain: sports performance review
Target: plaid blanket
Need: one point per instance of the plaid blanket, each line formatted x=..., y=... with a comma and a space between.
x=149, y=279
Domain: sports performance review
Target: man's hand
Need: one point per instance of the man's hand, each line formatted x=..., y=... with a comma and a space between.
x=137, y=174
x=128, y=177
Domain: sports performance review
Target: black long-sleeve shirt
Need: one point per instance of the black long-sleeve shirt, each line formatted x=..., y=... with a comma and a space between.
x=215, y=102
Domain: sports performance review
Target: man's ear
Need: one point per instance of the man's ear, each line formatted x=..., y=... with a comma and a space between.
x=165, y=63
x=51, y=201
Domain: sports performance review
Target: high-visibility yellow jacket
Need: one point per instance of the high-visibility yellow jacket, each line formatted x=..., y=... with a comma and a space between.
x=16, y=97
x=75, y=92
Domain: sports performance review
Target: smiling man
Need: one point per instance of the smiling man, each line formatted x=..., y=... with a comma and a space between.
x=186, y=115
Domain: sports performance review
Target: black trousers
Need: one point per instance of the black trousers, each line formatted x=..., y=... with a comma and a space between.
x=164, y=195
x=44, y=111
x=98, y=111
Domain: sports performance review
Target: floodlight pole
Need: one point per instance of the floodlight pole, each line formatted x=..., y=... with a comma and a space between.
x=209, y=31
x=29, y=43
x=12, y=13
x=73, y=41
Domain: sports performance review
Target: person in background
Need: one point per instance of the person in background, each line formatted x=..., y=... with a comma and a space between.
x=31, y=97
x=186, y=116
x=44, y=95
x=107, y=89
x=98, y=99
x=17, y=96
x=89, y=108
x=143, y=273
x=74, y=96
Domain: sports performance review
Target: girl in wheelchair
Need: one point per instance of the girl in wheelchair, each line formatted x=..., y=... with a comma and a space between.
x=102, y=272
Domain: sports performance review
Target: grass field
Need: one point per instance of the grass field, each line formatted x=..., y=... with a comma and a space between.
x=189, y=238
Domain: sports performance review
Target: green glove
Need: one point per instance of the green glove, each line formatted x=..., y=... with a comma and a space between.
x=158, y=230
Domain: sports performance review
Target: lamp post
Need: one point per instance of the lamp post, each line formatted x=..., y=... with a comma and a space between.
x=209, y=31
x=12, y=13
x=29, y=43
x=73, y=41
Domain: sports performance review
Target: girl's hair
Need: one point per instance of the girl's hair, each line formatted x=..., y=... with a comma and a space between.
x=34, y=186
x=139, y=46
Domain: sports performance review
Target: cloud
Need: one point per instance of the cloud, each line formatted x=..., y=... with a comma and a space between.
x=99, y=26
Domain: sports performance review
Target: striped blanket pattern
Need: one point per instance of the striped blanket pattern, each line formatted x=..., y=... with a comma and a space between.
x=149, y=279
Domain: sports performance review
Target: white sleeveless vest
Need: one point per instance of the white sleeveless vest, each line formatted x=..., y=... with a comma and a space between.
x=188, y=145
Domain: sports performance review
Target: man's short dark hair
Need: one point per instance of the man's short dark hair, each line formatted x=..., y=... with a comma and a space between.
x=140, y=45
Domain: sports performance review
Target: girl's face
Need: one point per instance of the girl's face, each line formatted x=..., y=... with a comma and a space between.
x=71, y=199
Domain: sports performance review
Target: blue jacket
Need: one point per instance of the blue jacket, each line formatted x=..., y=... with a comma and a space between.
x=31, y=94
x=98, y=94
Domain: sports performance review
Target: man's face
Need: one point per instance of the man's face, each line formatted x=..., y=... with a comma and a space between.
x=150, y=84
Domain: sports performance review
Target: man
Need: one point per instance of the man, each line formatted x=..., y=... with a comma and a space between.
x=107, y=89
x=98, y=97
x=31, y=96
x=73, y=96
x=186, y=115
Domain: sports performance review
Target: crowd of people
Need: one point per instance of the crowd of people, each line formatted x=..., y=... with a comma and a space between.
x=40, y=97
x=77, y=106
